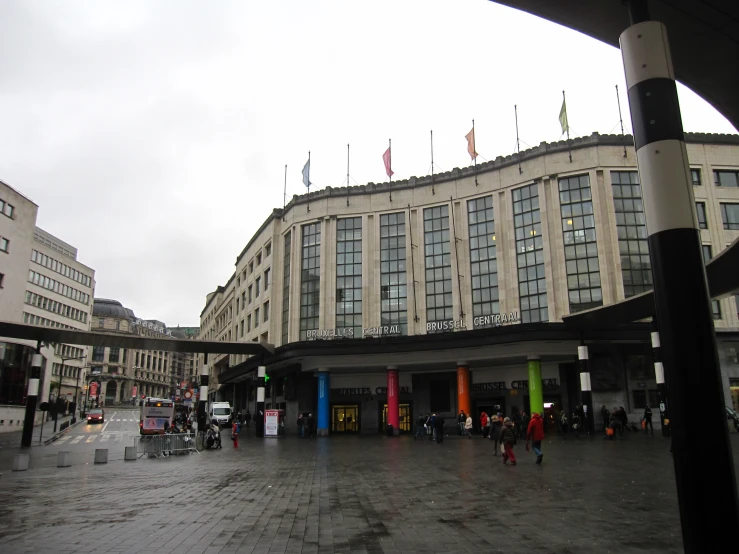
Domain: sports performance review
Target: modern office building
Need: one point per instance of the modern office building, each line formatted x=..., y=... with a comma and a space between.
x=120, y=375
x=41, y=283
x=447, y=292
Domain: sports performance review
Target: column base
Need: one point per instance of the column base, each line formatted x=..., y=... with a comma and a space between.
x=322, y=432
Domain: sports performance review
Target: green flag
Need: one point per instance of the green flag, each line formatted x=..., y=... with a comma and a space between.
x=563, y=118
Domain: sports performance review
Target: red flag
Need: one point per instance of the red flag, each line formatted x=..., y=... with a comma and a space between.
x=386, y=157
x=471, y=143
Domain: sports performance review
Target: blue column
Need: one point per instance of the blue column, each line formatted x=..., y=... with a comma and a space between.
x=324, y=391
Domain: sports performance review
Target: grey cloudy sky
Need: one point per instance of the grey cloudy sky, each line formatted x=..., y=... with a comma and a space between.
x=154, y=135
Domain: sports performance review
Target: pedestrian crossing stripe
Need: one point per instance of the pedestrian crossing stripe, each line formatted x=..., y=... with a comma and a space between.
x=116, y=437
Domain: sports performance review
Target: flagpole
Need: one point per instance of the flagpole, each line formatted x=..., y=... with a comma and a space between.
x=620, y=119
x=474, y=149
x=284, y=195
x=308, y=181
x=432, y=162
x=518, y=144
x=390, y=159
x=569, y=150
x=347, y=175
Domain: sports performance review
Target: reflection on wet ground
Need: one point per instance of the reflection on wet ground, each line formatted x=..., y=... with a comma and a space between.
x=355, y=494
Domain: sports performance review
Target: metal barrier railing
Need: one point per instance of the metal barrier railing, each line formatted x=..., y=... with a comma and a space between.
x=154, y=446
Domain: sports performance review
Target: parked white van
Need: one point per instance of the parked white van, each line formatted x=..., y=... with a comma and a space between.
x=221, y=412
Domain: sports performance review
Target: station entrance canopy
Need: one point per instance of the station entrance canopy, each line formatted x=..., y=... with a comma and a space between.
x=135, y=342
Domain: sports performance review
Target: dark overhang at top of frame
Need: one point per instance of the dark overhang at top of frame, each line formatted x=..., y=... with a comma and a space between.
x=703, y=35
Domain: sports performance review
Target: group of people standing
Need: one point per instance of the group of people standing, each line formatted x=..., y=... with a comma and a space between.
x=503, y=431
x=617, y=421
x=430, y=425
x=306, y=425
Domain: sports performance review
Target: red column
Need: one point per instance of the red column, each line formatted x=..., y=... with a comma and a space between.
x=393, y=399
x=463, y=389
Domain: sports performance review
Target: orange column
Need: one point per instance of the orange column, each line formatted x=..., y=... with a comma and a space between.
x=463, y=389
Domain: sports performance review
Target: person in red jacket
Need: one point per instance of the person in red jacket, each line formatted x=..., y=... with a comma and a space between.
x=535, y=433
x=235, y=434
x=484, y=424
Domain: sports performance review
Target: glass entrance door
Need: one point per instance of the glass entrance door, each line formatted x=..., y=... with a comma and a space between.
x=404, y=421
x=345, y=419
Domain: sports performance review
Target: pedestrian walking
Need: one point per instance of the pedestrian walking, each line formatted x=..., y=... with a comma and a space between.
x=235, y=434
x=535, y=434
x=606, y=415
x=420, y=427
x=484, y=424
x=439, y=428
x=301, y=426
x=468, y=427
x=517, y=422
x=647, y=420
x=524, y=423
x=507, y=440
x=461, y=421
x=430, y=426
x=495, y=426
x=311, y=426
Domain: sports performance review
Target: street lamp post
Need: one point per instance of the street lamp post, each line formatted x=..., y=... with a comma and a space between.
x=59, y=390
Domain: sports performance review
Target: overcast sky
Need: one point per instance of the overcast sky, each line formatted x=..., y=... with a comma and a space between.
x=154, y=135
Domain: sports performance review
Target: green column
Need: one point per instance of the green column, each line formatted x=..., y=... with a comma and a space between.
x=536, y=394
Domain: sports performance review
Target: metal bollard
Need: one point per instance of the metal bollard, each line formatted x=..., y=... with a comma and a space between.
x=62, y=459
x=101, y=455
x=20, y=462
x=130, y=454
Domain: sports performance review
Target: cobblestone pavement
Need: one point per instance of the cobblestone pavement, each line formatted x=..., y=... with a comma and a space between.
x=354, y=494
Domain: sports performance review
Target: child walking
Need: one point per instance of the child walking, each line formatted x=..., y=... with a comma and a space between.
x=508, y=439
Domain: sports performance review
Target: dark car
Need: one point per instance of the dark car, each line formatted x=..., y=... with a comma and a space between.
x=96, y=415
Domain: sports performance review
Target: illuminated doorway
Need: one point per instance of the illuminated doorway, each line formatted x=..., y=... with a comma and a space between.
x=345, y=419
x=405, y=421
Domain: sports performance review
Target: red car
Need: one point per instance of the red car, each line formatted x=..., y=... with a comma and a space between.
x=96, y=416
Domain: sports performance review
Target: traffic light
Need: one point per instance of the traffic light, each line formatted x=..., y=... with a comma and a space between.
x=266, y=378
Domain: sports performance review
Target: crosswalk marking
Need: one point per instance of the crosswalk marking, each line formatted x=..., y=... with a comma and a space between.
x=90, y=438
x=77, y=439
x=104, y=438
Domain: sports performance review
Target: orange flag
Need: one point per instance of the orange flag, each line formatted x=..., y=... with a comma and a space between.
x=471, y=143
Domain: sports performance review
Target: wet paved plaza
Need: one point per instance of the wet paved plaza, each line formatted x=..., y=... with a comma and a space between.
x=354, y=494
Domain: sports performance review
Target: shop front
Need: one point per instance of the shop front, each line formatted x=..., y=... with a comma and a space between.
x=359, y=403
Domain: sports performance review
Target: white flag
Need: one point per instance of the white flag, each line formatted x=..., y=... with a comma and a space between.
x=306, y=173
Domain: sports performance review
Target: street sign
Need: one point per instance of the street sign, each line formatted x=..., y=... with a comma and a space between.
x=188, y=395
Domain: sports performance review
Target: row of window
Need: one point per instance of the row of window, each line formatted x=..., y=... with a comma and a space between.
x=56, y=286
x=60, y=268
x=32, y=319
x=245, y=325
x=57, y=307
x=68, y=351
x=6, y=209
x=101, y=323
x=246, y=296
x=580, y=243
x=62, y=370
x=729, y=215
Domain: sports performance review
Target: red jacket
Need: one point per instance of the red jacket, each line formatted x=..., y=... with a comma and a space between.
x=483, y=419
x=535, y=430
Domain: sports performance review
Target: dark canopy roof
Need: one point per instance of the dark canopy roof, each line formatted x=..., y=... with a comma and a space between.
x=704, y=38
x=121, y=340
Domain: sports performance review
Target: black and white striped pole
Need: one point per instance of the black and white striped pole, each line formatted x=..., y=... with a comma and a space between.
x=32, y=397
x=203, y=396
x=259, y=416
x=682, y=303
x=659, y=375
x=586, y=390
